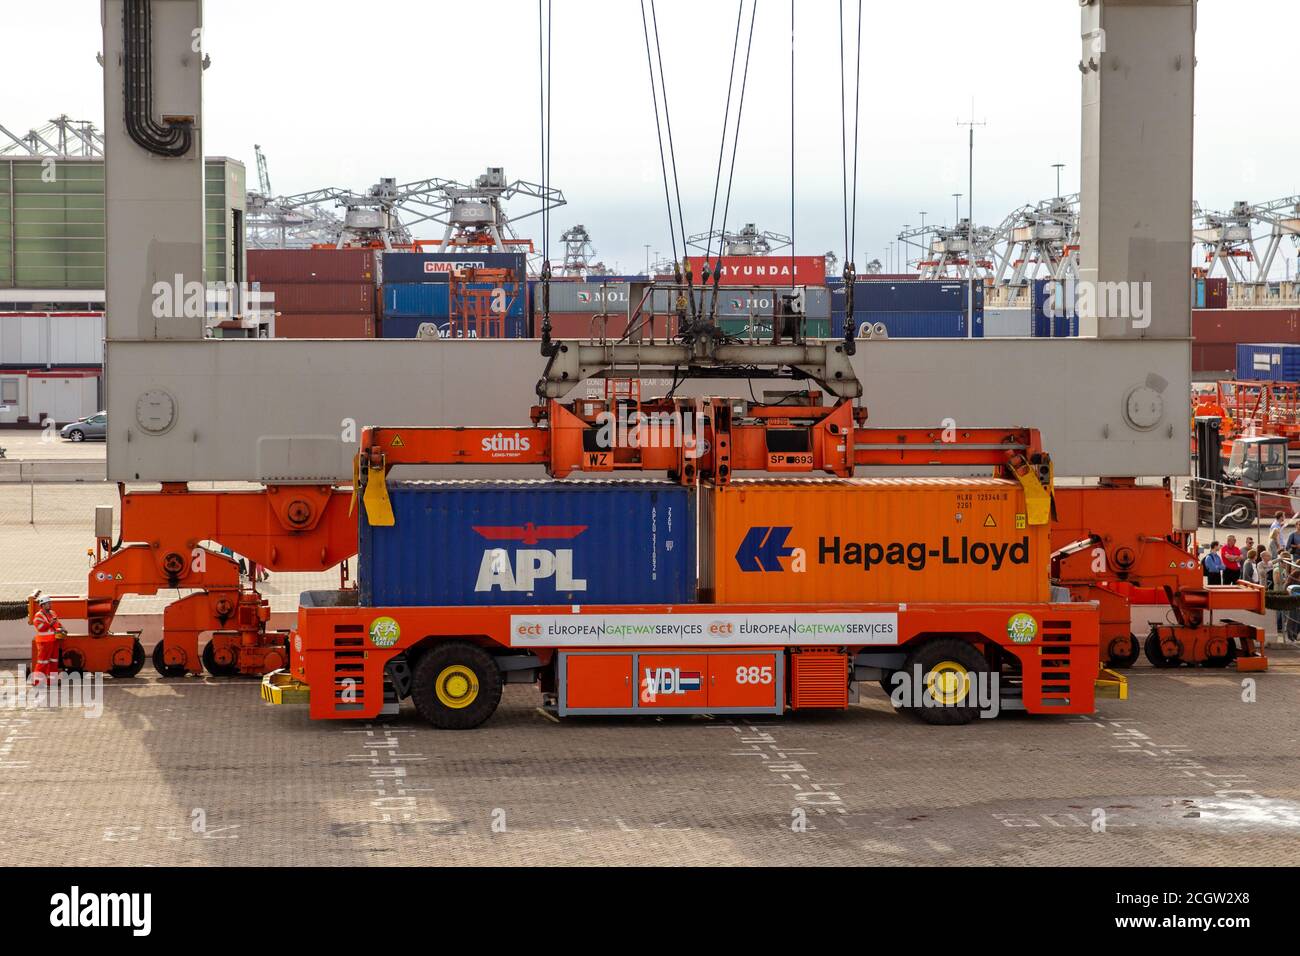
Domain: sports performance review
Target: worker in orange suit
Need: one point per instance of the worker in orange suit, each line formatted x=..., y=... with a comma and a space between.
x=47, y=645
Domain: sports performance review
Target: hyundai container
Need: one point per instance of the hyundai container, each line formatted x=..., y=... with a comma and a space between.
x=819, y=541
x=530, y=542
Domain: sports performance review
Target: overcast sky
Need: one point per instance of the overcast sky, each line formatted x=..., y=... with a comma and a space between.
x=342, y=93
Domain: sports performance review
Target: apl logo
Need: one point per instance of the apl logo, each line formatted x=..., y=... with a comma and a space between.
x=763, y=549
x=500, y=570
x=669, y=680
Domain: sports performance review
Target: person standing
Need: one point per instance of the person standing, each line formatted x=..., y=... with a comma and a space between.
x=1212, y=564
x=1231, y=555
x=47, y=646
x=1250, y=566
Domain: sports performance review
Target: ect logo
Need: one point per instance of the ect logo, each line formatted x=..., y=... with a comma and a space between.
x=669, y=680
x=519, y=572
x=763, y=548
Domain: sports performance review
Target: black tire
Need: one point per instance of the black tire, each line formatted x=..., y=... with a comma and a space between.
x=1223, y=660
x=1155, y=655
x=136, y=665
x=1241, y=510
x=219, y=670
x=445, y=663
x=1127, y=660
x=887, y=682
x=76, y=435
x=937, y=652
x=166, y=670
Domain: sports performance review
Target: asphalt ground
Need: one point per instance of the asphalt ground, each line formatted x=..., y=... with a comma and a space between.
x=1197, y=767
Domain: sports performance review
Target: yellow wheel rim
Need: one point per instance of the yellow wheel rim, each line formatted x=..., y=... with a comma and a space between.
x=456, y=686
x=948, y=683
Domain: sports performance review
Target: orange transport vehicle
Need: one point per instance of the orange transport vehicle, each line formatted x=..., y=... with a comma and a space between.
x=936, y=588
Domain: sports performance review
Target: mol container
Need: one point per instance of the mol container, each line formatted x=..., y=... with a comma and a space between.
x=530, y=542
x=814, y=541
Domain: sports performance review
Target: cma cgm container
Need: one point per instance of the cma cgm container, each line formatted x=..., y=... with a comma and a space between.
x=1276, y=362
x=424, y=299
x=531, y=542
x=814, y=541
x=419, y=266
x=493, y=327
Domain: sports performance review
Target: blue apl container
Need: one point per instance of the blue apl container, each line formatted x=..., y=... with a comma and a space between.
x=1275, y=362
x=530, y=542
x=420, y=266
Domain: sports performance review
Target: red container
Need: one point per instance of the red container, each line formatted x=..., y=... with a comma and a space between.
x=311, y=265
x=585, y=325
x=1215, y=358
x=765, y=270
x=313, y=297
x=1216, y=293
x=1230, y=326
x=325, y=325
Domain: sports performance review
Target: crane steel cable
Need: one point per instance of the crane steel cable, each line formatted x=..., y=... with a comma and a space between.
x=722, y=144
x=740, y=111
x=544, y=131
x=672, y=155
x=663, y=163
x=792, y=266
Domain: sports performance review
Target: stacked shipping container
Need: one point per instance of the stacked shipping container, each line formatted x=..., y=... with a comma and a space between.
x=912, y=308
x=416, y=290
x=319, y=293
x=635, y=542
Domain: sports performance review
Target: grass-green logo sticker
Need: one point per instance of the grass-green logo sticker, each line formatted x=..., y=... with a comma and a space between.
x=1021, y=628
x=384, y=632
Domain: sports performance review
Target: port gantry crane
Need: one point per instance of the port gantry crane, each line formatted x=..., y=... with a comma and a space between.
x=287, y=414
x=1229, y=237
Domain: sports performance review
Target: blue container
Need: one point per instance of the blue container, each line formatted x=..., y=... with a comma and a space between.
x=420, y=266
x=530, y=542
x=422, y=299
x=1278, y=362
x=921, y=295
x=1200, y=293
x=919, y=325
x=1053, y=315
x=407, y=326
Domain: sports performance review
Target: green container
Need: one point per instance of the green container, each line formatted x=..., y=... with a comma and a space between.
x=760, y=328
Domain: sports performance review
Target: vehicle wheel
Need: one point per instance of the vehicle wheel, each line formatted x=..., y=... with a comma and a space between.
x=215, y=668
x=1237, y=512
x=76, y=435
x=949, y=668
x=1155, y=655
x=1125, y=661
x=163, y=668
x=1223, y=660
x=136, y=665
x=457, y=686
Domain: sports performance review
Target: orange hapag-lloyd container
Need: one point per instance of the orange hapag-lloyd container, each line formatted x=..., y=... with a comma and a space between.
x=951, y=540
